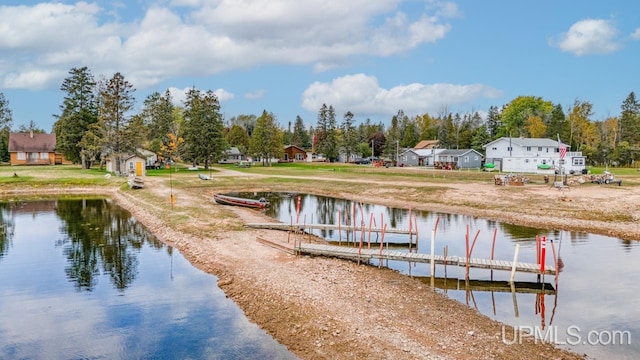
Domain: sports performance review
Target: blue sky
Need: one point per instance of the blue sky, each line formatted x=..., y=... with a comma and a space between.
x=289, y=57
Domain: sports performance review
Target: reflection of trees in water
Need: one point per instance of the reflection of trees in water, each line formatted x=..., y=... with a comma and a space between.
x=7, y=228
x=100, y=237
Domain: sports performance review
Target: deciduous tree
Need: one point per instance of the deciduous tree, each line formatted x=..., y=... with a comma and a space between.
x=266, y=141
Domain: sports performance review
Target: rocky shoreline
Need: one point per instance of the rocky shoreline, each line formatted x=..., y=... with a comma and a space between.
x=324, y=308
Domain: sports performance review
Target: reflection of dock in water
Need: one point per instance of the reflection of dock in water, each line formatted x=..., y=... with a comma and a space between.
x=357, y=254
x=307, y=227
x=522, y=287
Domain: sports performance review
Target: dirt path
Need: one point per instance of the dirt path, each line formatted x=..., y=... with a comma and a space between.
x=326, y=308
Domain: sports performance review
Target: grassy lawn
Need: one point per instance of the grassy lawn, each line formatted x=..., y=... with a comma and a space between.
x=73, y=175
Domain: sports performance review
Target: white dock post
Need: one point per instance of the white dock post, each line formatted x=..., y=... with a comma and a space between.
x=515, y=262
x=433, y=252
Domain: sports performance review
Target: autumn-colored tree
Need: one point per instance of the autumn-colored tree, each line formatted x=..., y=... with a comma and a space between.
x=515, y=113
x=535, y=126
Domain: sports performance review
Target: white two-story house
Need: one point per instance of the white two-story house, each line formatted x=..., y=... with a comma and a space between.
x=530, y=155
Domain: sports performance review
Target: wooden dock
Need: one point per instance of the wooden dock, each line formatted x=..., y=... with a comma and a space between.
x=306, y=227
x=352, y=253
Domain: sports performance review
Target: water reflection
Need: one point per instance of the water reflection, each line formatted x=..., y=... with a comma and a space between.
x=84, y=280
x=596, y=290
x=6, y=229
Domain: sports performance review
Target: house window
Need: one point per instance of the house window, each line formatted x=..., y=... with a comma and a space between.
x=475, y=158
x=509, y=148
x=44, y=155
x=526, y=161
x=466, y=159
x=528, y=148
x=22, y=155
x=578, y=161
x=131, y=165
x=539, y=148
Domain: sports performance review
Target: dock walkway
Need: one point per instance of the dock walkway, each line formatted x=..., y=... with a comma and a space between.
x=353, y=253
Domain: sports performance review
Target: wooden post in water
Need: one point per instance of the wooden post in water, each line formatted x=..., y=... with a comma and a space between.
x=416, y=222
x=339, y=230
x=381, y=245
x=466, y=254
x=372, y=220
x=493, y=247
x=433, y=247
x=555, y=258
x=515, y=263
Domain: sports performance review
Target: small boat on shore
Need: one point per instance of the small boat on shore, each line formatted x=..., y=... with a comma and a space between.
x=237, y=201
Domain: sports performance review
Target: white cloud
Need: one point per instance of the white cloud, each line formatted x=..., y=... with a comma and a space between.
x=636, y=34
x=200, y=38
x=590, y=36
x=223, y=95
x=180, y=95
x=258, y=94
x=362, y=95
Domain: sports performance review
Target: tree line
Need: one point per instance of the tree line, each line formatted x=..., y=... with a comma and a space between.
x=97, y=121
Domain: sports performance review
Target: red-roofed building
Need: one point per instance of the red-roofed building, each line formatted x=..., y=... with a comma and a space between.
x=33, y=149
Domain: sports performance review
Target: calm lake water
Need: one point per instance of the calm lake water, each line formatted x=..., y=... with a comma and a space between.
x=593, y=307
x=84, y=280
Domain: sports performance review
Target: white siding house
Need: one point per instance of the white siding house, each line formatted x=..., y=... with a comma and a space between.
x=532, y=156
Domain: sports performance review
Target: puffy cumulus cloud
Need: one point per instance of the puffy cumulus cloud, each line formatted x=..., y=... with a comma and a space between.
x=362, y=95
x=179, y=96
x=590, y=36
x=204, y=37
x=42, y=42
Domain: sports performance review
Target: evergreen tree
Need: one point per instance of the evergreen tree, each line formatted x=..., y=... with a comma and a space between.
x=203, y=128
x=480, y=138
x=159, y=120
x=300, y=136
x=393, y=136
x=494, y=124
x=557, y=125
x=630, y=120
x=79, y=110
x=349, y=136
x=116, y=101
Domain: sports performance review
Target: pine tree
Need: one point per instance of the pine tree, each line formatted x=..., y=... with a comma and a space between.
x=300, y=136
x=116, y=101
x=349, y=135
x=79, y=111
x=630, y=120
x=203, y=128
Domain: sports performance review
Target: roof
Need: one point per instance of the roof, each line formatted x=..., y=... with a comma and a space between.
x=32, y=142
x=145, y=153
x=424, y=152
x=523, y=142
x=294, y=147
x=457, y=152
x=233, y=151
x=426, y=144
